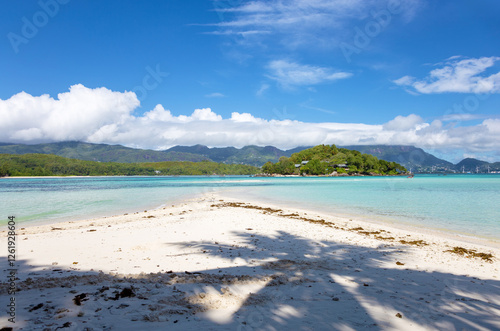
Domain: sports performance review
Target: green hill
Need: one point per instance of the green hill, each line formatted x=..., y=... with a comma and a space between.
x=326, y=160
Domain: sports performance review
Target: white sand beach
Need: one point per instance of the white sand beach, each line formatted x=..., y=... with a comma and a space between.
x=212, y=263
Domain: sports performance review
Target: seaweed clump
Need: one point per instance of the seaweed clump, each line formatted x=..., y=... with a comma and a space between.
x=414, y=242
x=471, y=253
x=269, y=211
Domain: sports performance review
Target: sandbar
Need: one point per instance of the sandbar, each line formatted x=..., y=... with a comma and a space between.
x=215, y=263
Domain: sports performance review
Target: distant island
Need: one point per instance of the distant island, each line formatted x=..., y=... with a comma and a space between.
x=412, y=158
x=321, y=160
x=325, y=160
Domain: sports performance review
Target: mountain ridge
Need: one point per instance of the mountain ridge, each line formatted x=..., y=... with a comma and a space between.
x=411, y=157
x=99, y=152
x=251, y=154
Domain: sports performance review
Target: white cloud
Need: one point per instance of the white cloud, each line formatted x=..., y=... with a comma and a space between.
x=302, y=22
x=460, y=76
x=402, y=123
x=159, y=114
x=289, y=74
x=405, y=80
x=215, y=95
x=104, y=116
x=493, y=125
x=72, y=116
x=204, y=114
x=461, y=117
x=263, y=88
x=244, y=117
x=241, y=33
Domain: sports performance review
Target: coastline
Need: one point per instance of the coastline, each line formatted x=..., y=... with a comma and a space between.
x=374, y=221
x=214, y=262
x=353, y=218
x=467, y=226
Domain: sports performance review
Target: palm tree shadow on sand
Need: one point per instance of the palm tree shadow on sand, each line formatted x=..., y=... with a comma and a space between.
x=266, y=283
x=327, y=285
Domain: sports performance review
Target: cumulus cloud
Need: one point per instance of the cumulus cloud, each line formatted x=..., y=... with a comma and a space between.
x=103, y=116
x=493, y=125
x=204, y=114
x=244, y=117
x=289, y=74
x=457, y=75
x=402, y=123
x=72, y=116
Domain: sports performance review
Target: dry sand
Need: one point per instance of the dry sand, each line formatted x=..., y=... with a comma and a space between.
x=215, y=264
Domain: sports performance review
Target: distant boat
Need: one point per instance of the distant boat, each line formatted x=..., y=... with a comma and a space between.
x=411, y=176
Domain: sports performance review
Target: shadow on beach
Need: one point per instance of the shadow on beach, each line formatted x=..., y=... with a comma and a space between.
x=286, y=282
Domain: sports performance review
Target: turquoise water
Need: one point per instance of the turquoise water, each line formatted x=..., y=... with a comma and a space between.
x=467, y=204
x=62, y=199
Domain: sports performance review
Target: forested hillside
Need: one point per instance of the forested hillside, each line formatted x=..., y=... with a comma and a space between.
x=52, y=165
x=325, y=160
x=100, y=152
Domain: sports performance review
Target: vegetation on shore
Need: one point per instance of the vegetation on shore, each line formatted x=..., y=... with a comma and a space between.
x=410, y=157
x=330, y=160
x=52, y=165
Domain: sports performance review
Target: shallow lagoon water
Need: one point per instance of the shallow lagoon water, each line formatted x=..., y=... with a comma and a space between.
x=466, y=204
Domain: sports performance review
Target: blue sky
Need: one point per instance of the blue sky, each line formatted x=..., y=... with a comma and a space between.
x=155, y=74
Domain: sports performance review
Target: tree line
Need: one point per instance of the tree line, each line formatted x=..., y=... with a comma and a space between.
x=52, y=165
x=325, y=160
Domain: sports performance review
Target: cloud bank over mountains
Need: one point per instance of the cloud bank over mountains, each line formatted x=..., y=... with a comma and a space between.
x=104, y=116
